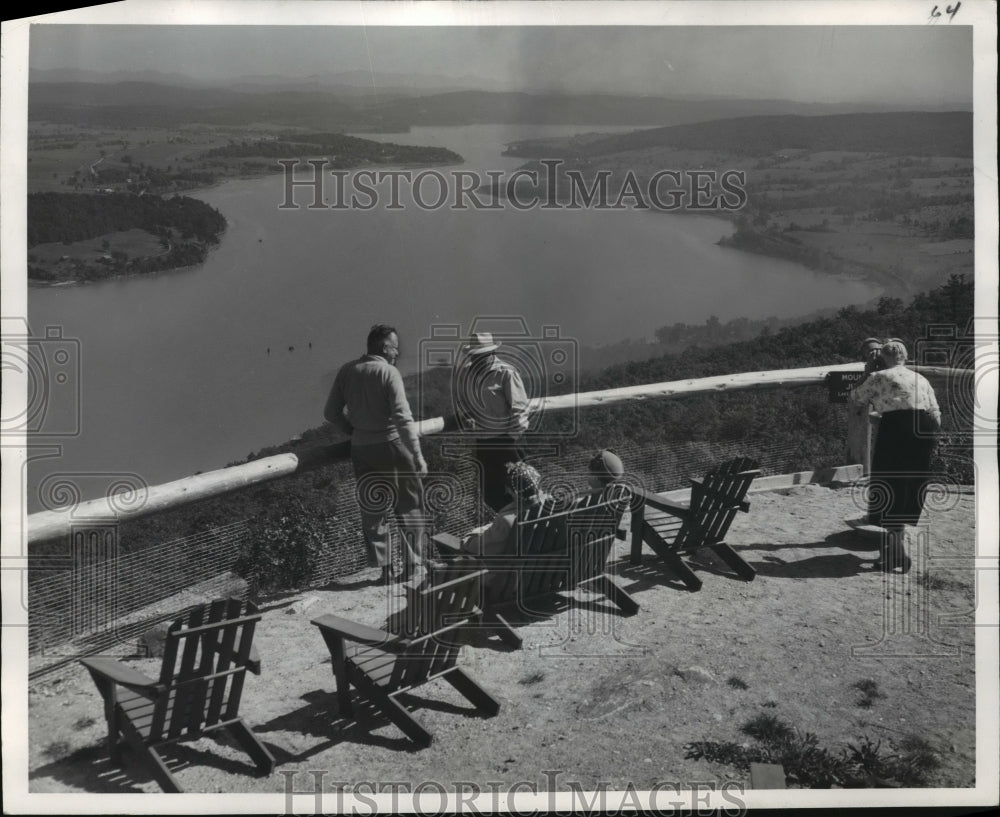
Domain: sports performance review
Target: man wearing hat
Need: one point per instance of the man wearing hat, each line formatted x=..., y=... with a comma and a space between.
x=870, y=354
x=491, y=405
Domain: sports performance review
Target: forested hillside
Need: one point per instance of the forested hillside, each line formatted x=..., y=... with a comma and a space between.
x=76, y=217
x=918, y=133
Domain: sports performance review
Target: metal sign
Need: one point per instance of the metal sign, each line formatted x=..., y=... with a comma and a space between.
x=841, y=383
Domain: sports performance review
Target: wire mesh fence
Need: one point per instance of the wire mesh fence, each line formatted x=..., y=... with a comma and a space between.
x=102, y=596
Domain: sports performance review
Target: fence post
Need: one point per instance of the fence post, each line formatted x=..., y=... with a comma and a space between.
x=859, y=436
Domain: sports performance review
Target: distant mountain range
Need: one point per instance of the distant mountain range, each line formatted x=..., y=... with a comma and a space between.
x=912, y=133
x=351, y=83
x=344, y=101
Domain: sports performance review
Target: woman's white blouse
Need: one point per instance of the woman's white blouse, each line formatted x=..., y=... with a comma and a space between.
x=896, y=389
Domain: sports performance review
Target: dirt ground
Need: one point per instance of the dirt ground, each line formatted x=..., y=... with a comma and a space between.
x=597, y=697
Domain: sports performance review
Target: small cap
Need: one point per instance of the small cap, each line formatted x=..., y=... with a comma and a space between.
x=607, y=464
x=482, y=343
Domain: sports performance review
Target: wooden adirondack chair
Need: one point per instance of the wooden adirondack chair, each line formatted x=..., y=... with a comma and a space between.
x=671, y=529
x=556, y=551
x=383, y=665
x=206, y=656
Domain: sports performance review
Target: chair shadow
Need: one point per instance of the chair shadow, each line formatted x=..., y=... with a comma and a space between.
x=320, y=717
x=533, y=610
x=92, y=769
x=651, y=572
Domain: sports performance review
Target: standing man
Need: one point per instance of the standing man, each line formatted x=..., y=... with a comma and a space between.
x=368, y=402
x=871, y=349
x=493, y=406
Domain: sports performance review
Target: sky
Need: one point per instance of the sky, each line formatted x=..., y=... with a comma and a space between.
x=918, y=64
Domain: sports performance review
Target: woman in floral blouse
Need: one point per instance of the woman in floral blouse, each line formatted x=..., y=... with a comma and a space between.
x=900, y=469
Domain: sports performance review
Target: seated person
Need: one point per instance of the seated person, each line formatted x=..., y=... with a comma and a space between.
x=606, y=468
x=522, y=483
x=606, y=471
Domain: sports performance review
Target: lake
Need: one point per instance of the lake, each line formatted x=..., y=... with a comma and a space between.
x=194, y=369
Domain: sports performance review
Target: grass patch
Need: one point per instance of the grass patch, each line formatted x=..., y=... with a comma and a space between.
x=807, y=764
x=56, y=750
x=869, y=690
x=84, y=722
x=737, y=683
x=533, y=678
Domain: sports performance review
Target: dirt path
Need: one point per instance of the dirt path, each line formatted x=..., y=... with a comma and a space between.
x=595, y=697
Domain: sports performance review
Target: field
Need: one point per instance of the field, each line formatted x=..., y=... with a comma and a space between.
x=60, y=257
x=61, y=157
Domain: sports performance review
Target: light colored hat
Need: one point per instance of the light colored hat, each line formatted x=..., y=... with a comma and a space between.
x=607, y=464
x=482, y=342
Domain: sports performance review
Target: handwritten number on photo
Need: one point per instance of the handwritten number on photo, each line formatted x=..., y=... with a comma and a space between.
x=951, y=12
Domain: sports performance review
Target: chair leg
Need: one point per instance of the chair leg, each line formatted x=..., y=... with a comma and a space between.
x=734, y=560
x=684, y=573
x=673, y=561
x=471, y=690
x=605, y=584
x=156, y=763
x=404, y=720
x=637, y=525
x=507, y=634
x=338, y=663
x=251, y=744
x=114, y=740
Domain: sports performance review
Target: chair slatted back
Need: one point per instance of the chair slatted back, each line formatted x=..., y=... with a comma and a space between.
x=714, y=503
x=426, y=656
x=212, y=644
x=560, y=548
x=590, y=532
x=444, y=609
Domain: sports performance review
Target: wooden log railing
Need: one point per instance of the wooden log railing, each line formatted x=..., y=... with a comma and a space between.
x=45, y=525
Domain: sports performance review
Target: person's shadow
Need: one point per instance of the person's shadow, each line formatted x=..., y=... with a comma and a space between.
x=825, y=566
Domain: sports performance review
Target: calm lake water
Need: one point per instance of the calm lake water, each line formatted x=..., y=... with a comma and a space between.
x=175, y=372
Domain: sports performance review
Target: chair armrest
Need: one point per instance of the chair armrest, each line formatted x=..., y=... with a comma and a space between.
x=353, y=631
x=115, y=671
x=447, y=542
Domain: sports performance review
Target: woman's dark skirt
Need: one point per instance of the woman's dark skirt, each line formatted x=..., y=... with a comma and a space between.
x=901, y=468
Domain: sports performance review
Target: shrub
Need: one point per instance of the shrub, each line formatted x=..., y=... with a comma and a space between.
x=809, y=765
x=282, y=548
